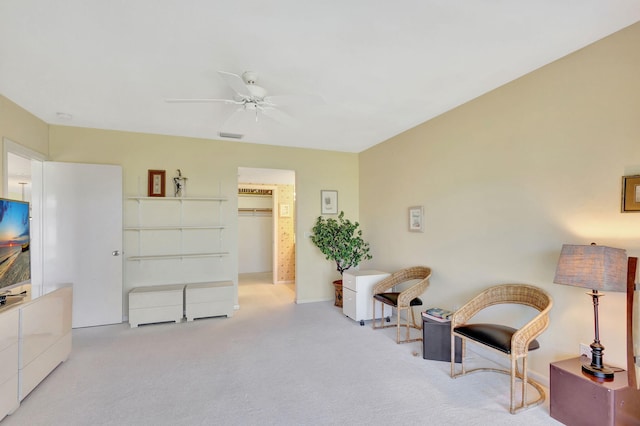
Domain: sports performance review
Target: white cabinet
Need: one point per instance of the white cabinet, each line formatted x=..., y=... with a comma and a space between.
x=357, y=295
x=35, y=337
x=10, y=359
x=161, y=303
x=45, y=336
x=202, y=300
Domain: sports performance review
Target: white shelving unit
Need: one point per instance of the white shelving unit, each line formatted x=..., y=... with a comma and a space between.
x=182, y=251
x=175, y=241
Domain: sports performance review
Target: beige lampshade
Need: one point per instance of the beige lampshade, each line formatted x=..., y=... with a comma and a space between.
x=592, y=266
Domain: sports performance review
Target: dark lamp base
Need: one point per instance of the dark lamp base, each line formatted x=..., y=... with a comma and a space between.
x=599, y=372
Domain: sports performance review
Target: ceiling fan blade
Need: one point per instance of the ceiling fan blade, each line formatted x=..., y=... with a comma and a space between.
x=236, y=83
x=201, y=100
x=294, y=100
x=237, y=121
x=279, y=116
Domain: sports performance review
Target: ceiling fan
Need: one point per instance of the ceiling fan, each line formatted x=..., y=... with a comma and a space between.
x=249, y=97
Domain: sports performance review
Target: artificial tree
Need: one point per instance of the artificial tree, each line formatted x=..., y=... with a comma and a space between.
x=340, y=240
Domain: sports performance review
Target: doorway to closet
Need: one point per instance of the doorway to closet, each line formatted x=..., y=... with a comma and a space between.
x=266, y=224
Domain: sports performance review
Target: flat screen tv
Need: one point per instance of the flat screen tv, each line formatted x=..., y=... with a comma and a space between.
x=15, y=261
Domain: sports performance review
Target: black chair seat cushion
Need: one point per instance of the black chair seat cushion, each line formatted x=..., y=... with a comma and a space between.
x=392, y=299
x=493, y=335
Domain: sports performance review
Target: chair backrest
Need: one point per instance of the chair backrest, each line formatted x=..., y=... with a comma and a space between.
x=413, y=273
x=522, y=294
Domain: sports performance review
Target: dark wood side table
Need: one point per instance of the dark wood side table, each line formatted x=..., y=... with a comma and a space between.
x=580, y=400
x=436, y=341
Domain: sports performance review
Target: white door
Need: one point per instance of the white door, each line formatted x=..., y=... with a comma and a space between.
x=82, y=216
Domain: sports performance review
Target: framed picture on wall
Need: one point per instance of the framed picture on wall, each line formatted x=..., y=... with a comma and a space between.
x=416, y=219
x=157, y=181
x=631, y=193
x=329, y=202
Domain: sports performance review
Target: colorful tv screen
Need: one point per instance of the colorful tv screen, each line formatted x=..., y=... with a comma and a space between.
x=15, y=261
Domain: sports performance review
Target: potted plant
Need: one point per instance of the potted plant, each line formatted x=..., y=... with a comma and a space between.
x=340, y=241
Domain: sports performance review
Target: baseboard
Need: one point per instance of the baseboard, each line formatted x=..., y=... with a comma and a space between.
x=301, y=301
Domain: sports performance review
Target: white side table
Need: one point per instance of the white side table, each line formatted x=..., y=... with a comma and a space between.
x=158, y=303
x=202, y=300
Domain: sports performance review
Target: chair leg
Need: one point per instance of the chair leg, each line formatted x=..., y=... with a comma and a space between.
x=408, y=324
x=525, y=380
x=406, y=327
x=373, y=323
x=514, y=366
x=514, y=375
x=463, y=351
x=398, y=325
x=523, y=395
x=463, y=348
x=453, y=355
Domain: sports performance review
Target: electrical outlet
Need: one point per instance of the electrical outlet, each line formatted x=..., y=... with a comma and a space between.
x=585, y=350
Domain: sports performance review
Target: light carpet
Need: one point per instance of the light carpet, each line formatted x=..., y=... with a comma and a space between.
x=272, y=363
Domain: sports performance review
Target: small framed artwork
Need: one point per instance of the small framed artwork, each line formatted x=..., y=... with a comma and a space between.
x=329, y=202
x=157, y=180
x=285, y=210
x=631, y=193
x=416, y=219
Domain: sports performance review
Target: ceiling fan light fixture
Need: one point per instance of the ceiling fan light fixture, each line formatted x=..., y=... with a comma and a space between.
x=230, y=135
x=250, y=77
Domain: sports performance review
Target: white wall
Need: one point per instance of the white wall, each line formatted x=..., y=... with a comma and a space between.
x=255, y=242
x=255, y=234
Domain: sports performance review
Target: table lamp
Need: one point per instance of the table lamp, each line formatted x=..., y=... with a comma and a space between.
x=597, y=268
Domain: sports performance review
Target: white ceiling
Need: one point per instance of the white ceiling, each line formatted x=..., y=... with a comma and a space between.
x=381, y=67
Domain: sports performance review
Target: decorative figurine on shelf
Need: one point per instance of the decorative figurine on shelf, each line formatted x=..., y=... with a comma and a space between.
x=179, y=183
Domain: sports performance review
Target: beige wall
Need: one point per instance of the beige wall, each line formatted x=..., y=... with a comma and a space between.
x=508, y=178
x=211, y=165
x=22, y=127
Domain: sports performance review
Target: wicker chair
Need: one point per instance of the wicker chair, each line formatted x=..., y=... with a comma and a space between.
x=504, y=340
x=402, y=301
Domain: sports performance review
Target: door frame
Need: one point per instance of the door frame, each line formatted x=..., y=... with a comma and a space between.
x=37, y=159
x=271, y=183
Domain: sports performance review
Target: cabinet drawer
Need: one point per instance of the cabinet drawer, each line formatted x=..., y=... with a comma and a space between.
x=163, y=295
x=209, y=292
